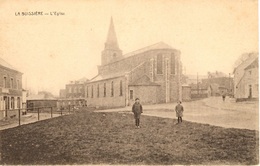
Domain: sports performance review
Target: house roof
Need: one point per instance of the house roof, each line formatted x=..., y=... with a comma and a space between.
x=246, y=61
x=6, y=64
x=254, y=64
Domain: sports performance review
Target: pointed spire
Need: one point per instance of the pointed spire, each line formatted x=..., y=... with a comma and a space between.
x=111, y=42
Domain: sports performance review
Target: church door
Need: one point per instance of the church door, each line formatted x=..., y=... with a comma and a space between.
x=250, y=92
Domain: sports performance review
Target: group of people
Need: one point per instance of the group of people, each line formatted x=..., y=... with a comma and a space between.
x=137, y=109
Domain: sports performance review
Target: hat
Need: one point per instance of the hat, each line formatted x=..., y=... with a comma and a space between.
x=136, y=99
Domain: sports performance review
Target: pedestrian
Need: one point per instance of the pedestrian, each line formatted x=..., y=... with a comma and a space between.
x=223, y=96
x=179, y=111
x=137, y=109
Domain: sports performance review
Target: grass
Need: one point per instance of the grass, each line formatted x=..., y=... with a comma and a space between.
x=111, y=138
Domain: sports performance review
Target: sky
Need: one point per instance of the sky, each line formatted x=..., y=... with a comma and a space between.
x=52, y=50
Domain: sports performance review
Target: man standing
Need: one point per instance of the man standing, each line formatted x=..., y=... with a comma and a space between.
x=179, y=111
x=137, y=109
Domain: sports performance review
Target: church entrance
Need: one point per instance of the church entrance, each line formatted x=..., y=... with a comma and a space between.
x=250, y=92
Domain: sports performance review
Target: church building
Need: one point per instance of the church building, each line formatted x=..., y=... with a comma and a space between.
x=152, y=74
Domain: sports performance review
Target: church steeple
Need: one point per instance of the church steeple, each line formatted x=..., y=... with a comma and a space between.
x=111, y=37
x=112, y=51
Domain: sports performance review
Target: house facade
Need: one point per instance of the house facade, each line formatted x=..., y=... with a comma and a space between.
x=246, y=79
x=152, y=74
x=10, y=88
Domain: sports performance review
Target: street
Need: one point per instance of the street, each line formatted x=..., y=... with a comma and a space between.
x=212, y=111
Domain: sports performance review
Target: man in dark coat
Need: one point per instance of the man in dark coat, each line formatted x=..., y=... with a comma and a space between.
x=137, y=109
x=179, y=111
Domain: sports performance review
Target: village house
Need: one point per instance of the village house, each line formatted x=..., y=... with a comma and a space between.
x=152, y=74
x=74, y=90
x=219, y=84
x=246, y=79
x=10, y=89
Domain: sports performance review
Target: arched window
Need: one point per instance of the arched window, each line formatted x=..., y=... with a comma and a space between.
x=98, y=90
x=121, y=88
x=112, y=89
x=159, y=64
x=105, y=90
x=172, y=63
x=87, y=91
x=92, y=91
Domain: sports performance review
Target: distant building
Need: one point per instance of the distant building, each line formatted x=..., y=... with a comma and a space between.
x=220, y=85
x=62, y=93
x=216, y=74
x=42, y=99
x=246, y=79
x=152, y=74
x=10, y=88
x=199, y=90
x=194, y=79
x=186, y=92
x=75, y=89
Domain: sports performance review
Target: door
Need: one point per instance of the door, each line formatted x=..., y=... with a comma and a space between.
x=250, y=92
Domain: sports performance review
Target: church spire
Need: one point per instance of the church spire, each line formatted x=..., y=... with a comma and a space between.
x=112, y=52
x=111, y=42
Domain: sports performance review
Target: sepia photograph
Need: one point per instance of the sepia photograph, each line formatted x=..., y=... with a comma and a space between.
x=121, y=82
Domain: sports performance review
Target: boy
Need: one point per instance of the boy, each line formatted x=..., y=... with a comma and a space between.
x=137, y=109
x=179, y=111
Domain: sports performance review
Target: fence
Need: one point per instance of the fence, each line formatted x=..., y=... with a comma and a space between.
x=44, y=112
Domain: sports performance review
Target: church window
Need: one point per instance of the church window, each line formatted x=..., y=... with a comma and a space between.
x=5, y=85
x=17, y=84
x=121, y=88
x=98, y=90
x=131, y=94
x=92, y=91
x=114, y=55
x=172, y=64
x=12, y=83
x=112, y=89
x=159, y=64
x=105, y=90
x=87, y=91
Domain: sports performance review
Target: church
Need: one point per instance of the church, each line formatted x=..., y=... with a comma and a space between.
x=152, y=74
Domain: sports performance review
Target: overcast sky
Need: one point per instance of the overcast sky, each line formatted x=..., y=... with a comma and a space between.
x=51, y=50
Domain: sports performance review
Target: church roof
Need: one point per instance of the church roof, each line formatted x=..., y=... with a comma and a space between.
x=144, y=81
x=160, y=45
x=100, y=77
x=111, y=41
x=6, y=64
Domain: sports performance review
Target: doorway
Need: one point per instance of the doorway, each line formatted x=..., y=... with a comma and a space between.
x=250, y=92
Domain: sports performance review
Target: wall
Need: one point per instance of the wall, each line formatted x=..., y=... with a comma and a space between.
x=77, y=91
x=146, y=94
x=8, y=91
x=41, y=103
x=186, y=93
x=242, y=89
x=143, y=64
x=108, y=101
